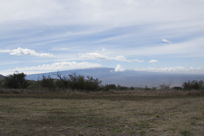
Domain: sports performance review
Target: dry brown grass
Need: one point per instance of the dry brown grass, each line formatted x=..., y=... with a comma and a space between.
x=102, y=114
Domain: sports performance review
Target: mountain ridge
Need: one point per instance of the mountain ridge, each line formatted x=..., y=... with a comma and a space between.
x=126, y=78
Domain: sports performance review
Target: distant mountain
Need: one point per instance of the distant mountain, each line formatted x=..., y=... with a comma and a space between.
x=127, y=78
x=1, y=77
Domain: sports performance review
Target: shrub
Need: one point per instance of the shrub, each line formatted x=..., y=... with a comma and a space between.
x=73, y=81
x=92, y=83
x=34, y=84
x=1, y=83
x=132, y=88
x=196, y=85
x=110, y=87
x=122, y=87
x=48, y=82
x=16, y=81
x=177, y=88
x=79, y=82
x=62, y=82
x=164, y=87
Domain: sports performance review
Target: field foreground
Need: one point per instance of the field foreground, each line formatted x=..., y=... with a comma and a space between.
x=95, y=116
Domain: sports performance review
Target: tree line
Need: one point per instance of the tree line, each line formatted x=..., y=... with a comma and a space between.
x=78, y=82
x=72, y=82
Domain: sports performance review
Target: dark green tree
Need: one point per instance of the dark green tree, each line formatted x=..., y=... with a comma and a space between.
x=193, y=85
x=16, y=81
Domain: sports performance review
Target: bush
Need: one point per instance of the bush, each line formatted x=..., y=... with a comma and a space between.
x=74, y=82
x=164, y=87
x=122, y=87
x=78, y=82
x=193, y=85
x=48, y=82
x=1, y=83
x=16, y=81
x=92, y=83
x=34, y=84
x=110, y=87
x=177, y=88
x=62, y=82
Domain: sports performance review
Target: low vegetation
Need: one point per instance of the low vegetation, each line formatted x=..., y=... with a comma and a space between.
x=73, y=82
x=193, y=85
x=81, y=83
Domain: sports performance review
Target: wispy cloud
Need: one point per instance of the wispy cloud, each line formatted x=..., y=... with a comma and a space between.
x=97, y=55
x=186, y=48
x=24, y=51
x=52, y=67
x=174, y=69
x=100, y=11
x=166, y=41
x=153, y=61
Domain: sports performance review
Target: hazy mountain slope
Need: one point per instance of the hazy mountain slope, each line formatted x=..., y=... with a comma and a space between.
x=127, y=78
x=1, y=77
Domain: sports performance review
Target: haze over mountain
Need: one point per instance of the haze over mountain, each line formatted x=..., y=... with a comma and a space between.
x=127, y=78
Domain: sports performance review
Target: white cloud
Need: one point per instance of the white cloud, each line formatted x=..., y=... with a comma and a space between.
x=94, y=55
x=166, y=41
x=174, y=69
x=120, y=58
x=52, y=67
x=97, y=55
x=153, y=61
x=119, y=68
x=192, y=47
x=24, y=51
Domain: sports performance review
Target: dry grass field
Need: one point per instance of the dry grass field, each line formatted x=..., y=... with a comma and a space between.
x=102, y=114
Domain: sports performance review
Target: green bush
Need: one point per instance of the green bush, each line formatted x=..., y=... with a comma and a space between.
x=193, y=85
x=1, y=83
x=48, y=82
x=73, y=81
x=164, y=87
x=62, y=82
x=177, y=88
x=16, y=81
x=79, y=82
x=122, y=87
x=92, y=83
x=34, y=84
x=110, y=87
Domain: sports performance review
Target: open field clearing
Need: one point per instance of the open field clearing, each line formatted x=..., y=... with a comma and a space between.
x=95, y=114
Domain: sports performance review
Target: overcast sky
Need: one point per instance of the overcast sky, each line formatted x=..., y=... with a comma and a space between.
x=39, y=36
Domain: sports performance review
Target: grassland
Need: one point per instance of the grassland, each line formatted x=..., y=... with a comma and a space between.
x=102, y=114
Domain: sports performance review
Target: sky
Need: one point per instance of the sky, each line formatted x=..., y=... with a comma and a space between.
x=38, y=36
